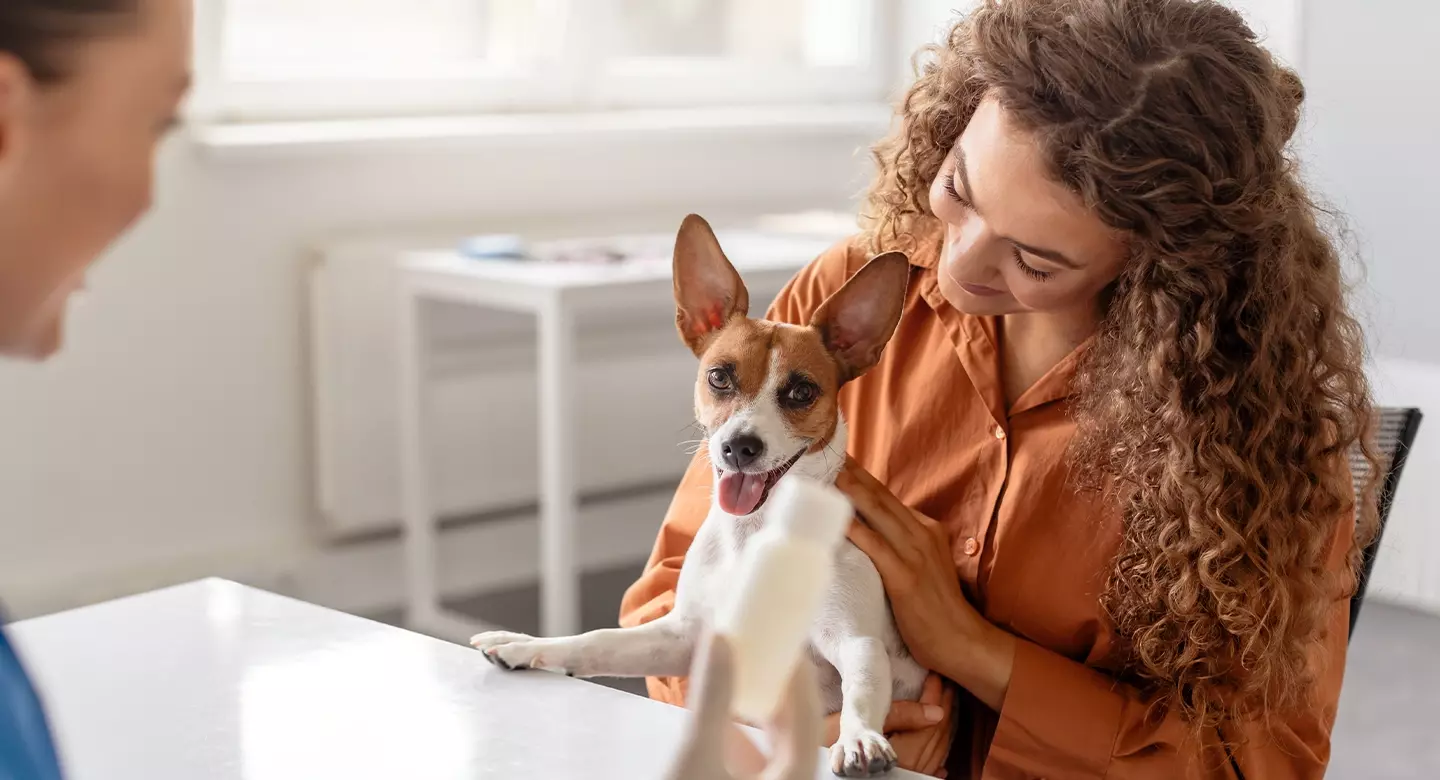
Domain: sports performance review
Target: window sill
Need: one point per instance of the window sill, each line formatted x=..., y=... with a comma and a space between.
x=285, y=139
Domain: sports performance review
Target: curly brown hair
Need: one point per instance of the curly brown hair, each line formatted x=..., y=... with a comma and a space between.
x=1225, y=387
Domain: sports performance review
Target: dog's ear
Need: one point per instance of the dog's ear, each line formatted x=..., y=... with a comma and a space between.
x=858, y=320
x=708, y=290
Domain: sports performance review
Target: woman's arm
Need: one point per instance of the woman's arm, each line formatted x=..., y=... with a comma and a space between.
x=1060, y=718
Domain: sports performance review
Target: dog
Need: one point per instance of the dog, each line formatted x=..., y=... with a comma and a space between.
x=766, y=396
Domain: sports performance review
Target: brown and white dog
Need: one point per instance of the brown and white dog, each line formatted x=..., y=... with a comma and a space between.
x=767, y=398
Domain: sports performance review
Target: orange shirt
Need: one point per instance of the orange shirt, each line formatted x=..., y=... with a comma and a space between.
x=931, y=423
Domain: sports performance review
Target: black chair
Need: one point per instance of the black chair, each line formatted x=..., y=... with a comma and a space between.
x=1392, y=443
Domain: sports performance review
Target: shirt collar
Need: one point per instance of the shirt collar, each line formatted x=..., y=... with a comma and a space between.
x=973, y=333
x=928, y=235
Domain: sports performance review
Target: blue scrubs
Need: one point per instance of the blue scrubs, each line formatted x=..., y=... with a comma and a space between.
x=27, y=751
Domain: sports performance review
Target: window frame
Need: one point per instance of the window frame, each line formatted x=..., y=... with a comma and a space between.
x=574, y=75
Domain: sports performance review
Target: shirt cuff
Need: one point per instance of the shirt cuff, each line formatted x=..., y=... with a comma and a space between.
x=1060, y=718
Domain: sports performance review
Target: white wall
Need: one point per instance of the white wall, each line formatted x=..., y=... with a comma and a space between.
x=922, y=22
x=1373, y=75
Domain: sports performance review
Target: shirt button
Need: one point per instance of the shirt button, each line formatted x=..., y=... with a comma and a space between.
x=972, y=546
x=1000, y=433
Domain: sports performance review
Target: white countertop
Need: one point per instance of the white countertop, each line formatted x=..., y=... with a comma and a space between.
x=217, y=681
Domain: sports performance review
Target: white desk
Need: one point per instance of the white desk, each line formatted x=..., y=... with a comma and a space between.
x=555, y=294
x=216, y=681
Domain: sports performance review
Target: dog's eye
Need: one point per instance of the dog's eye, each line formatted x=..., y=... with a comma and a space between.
x=719, y=379
x=801, y=394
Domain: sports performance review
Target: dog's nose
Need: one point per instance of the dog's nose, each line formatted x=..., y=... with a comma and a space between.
x=742, y=450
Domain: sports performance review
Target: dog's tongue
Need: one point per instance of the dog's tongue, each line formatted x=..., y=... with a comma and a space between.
x=740, y=494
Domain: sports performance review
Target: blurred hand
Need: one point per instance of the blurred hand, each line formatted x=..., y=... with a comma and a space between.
x=717, y=749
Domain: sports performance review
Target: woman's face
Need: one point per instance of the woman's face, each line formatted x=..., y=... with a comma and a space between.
x=76, y=160
x=1016, y=240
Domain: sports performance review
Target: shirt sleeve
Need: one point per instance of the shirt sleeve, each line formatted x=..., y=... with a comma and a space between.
x=1063, y=719
x=653, y=595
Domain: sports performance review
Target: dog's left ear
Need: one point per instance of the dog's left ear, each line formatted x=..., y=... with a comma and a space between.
x=708, y=290
x=858, y=320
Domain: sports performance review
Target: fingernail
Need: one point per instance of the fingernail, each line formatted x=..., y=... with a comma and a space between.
x=933, y=713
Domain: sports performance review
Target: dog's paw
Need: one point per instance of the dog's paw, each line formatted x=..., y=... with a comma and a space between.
x=511, y=651
x=862, y=753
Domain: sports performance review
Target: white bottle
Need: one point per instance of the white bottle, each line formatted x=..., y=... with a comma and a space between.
x=782, y=577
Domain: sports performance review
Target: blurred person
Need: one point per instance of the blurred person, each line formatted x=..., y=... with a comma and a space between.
x=1110, y=501
x=88, y=88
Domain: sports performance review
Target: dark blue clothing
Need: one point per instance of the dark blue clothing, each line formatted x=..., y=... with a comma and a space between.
x=27, y=751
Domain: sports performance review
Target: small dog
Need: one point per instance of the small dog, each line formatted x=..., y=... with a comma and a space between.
x=767, y=398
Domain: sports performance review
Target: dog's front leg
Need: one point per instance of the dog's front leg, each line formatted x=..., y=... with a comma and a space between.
x=661, y=648
x=865, y=689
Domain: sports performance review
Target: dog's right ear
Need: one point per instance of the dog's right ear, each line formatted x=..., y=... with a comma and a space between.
x=858, y=320
x=708, y=290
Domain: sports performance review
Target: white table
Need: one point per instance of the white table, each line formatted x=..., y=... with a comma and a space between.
x=556, y=295
x=217, y=681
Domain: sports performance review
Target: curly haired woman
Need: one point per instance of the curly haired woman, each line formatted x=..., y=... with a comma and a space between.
x=1110, y=500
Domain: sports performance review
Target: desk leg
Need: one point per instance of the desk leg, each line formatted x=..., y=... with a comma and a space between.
x=422, y=594
x=559, y=577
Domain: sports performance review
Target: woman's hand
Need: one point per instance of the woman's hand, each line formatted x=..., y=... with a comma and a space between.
x=904, y=715
x=912, y=552
x=717, y=749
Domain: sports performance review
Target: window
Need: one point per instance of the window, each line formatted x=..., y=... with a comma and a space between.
x=287, y=59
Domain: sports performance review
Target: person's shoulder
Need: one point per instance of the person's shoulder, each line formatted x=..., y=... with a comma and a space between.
x=817, y=281
x=828, y=272
x=842, y=259
x=920, y=243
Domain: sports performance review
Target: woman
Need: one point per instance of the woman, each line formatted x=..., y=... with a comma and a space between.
x=87, y=90
x=1109, y=497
